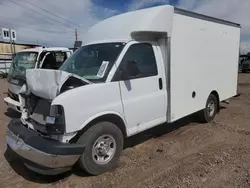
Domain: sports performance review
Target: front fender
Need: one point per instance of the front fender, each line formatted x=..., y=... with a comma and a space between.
x=101, y=114
x=85, y=103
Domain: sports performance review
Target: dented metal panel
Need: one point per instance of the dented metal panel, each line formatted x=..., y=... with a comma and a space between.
x=47, y=83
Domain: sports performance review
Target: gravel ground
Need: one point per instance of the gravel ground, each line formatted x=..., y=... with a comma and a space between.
x=184, y=154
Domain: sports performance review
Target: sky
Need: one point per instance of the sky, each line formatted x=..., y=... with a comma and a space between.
x=53, y=22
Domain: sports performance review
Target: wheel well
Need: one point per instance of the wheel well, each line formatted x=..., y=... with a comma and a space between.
x=108, y=117
x=215, y=93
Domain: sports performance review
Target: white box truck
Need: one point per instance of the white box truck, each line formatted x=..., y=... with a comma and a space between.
x=31, y=58
x=136, y=70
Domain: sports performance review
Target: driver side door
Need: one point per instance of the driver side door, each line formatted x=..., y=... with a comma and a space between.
x=143, y=95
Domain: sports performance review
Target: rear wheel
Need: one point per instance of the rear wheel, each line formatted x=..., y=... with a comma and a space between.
x=103, y=146
x=208, y=114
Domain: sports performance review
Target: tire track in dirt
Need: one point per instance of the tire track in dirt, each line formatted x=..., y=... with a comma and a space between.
x=214, y=168
x=230, y=129
x=192, y=146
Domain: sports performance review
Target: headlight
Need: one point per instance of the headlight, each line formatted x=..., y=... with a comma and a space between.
x=55, y=123
x=56, y=110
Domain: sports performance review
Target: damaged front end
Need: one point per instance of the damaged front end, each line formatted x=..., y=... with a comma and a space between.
x=42, y=86
x=39, y=136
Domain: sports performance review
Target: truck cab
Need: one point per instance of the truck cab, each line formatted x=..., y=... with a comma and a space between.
x=32, y=58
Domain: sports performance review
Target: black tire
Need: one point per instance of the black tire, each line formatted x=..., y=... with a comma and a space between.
x=87, y=161
x=243, y=71
x=207, y=115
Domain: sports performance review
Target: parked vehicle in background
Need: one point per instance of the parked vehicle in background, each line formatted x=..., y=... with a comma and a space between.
x=32, y=58
x=135, y=71
x=245, y=63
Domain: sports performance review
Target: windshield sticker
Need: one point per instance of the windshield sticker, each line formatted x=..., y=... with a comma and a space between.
x=102, y=69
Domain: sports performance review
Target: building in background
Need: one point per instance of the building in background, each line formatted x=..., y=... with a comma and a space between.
x=5, y=55
x=5, y=50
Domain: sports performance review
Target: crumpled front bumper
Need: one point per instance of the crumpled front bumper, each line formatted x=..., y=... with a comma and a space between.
x=15, y=105
x=42, y=153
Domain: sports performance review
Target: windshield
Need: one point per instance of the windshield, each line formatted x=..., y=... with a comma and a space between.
x=22, y=61
x=93, y=62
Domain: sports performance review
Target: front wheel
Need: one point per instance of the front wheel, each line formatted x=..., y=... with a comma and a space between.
x=103, y=146
x=208, y=114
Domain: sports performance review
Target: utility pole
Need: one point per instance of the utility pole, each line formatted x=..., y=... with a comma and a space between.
x=77, y=43
x=76, y=35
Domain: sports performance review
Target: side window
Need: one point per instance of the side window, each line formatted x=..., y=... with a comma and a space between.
x=142, y=55
x=54, y=60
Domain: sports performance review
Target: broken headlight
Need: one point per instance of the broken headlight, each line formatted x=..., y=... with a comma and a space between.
x=55, y=123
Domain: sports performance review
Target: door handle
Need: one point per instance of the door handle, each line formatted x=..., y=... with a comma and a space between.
x=160, y=83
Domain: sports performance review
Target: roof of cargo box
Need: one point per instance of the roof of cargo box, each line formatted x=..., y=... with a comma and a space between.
x=205, y=17
x=120, y=27
x=155, y=20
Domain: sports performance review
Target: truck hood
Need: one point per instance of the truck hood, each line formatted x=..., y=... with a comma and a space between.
x=48, y=84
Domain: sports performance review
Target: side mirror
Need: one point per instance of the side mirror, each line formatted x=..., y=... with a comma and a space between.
x=130, y=70
x=123, y=74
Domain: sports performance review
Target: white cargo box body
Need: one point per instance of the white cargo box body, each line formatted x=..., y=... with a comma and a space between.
x=204, y=58
x=200, y=52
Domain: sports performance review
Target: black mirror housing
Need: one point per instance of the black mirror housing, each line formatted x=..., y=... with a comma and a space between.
x=132, y=69
x=124, y=74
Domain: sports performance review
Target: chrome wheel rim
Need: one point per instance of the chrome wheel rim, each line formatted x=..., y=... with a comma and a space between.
x=211, y=108
x=104, y=149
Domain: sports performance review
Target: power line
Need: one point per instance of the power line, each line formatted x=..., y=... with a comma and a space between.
x=36, y=12
x=51, y=13
x=23, y=27
x=42, y=29
x=46, y=21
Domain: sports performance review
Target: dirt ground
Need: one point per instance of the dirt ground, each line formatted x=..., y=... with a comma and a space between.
x=184, y=154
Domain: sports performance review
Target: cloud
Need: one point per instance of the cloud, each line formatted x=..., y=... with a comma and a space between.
x=138, y=4
x=37, y=25
x=188, y=4
x=232, y=10
x=244, y=47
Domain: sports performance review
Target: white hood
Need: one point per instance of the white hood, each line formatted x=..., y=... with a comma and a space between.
x=47, y=83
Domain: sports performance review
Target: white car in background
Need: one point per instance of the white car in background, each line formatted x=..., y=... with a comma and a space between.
x=32, y=58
